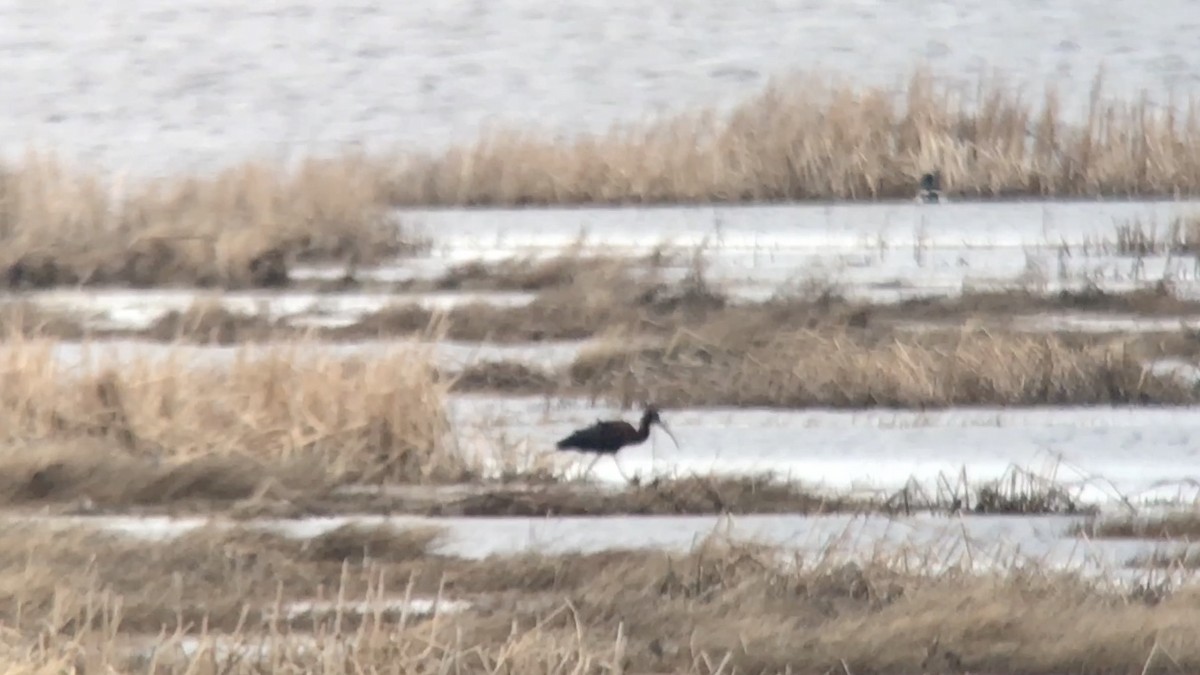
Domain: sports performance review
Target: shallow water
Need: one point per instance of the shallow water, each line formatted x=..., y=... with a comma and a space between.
x=145, y=87
x=138, y=309
x=1104, y=454
x=927, y=542
x=449, y=354
x=878, y=252
x=811, y=228
x=1106, y=323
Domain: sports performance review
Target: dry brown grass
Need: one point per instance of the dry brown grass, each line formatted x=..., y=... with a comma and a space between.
x=284, y=406
x=1181, y=525
x=805, y=138
x=92, y=476
x=1000, y=306
x=240, y=227
x=85, y=599
x=628, y=297
x=1181, y=235
x=735, y=364
x=529, y=273
x=28, y=319
x=207, y=322
x=1176, y=561
x=507, y=376
x=207, y=574
x=583, y=296
x=86, y=474
x=594, y=297
x=691, y=495
x=1019, y=491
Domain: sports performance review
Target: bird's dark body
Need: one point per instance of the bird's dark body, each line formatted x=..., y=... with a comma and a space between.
x=605, y=438
x=609, y=436
x=930, y=191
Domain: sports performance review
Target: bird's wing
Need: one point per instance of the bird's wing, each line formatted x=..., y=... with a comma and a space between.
x=586, y=434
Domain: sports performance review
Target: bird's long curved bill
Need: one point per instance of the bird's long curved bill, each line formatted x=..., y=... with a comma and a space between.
x=668, y=430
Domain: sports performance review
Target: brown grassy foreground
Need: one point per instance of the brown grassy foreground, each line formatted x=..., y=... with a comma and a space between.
x=290, y=413
x=240, y=227
x=805, y=138
x=95, y=602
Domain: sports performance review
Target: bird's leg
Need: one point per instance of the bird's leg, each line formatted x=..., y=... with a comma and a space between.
x=620, y=470
x=587, y=472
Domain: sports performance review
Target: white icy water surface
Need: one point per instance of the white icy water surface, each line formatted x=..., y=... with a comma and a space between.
x=150, y=87
x=1105, y=454
x=935, y=543
x=881, y=252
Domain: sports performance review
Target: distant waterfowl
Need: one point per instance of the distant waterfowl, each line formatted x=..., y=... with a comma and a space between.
x=930, y=191
x=607, y=437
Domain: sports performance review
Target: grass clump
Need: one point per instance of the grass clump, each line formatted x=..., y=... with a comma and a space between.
x=1167, y=560
x=595, y=298
x=242, y=227
x=288, y=405
x=510, y=377
x=207, y=322
x=1018, y=491
x=1180, y=525
x=847, y=369
x=528, y=273
x=1135, y=238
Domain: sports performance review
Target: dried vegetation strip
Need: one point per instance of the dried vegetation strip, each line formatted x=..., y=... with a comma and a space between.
x=683, y=495
x=1180, y=525
x=804, y=138
x=1017, y=492
x=241, y=227
x=584, y=297
x=581, y=296
x=736, y=365
x=722, y=607
x=290, y=412
x=99, y=476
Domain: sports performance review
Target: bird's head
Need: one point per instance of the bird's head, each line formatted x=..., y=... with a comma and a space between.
x=651, y=417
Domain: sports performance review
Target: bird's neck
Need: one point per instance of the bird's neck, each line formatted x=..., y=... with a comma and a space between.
x=644, y=429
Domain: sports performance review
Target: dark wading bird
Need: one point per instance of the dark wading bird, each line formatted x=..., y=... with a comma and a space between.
x=607, y=437
x=930, y=190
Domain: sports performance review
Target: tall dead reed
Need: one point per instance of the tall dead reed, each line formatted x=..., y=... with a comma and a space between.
x=809, y=138
x=292, y=404
x=240, y=227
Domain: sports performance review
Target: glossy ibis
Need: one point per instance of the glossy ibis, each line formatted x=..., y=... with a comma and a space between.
x=607, y=437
